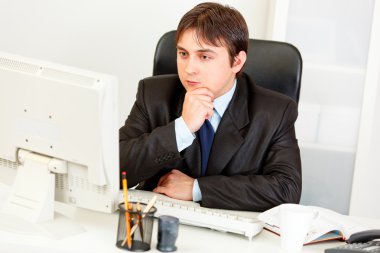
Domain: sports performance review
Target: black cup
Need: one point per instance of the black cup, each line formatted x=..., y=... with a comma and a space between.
x=167, y=233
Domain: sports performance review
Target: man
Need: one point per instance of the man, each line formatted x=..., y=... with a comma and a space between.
x=254, y=162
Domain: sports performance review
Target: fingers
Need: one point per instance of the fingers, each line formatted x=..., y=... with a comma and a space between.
x=161, y=180
x=194, y=99
x=176, y=184
x=202, y=91
x=197, y=106
x=164, y=179
x=209, y=113
x=160, y=189
x=202, y=98
x=170, y=177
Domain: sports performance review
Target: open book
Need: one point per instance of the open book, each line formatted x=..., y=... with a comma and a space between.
x=329, y=225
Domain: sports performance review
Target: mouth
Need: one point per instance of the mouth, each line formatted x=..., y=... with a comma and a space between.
x=192, y=83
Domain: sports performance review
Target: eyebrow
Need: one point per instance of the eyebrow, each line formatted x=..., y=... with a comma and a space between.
x=201, y=50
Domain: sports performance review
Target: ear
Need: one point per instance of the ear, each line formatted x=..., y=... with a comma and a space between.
x=239, y=61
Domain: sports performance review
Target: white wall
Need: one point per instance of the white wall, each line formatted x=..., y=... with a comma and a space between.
x=365, y=189
x=333, y=38
x=112, y=36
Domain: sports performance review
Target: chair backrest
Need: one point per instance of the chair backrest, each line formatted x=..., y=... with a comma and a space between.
x=271, y=64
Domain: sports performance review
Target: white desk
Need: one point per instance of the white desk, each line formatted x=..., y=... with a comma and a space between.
x=100, y=236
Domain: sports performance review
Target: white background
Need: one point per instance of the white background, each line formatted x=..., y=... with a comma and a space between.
x=112, y=36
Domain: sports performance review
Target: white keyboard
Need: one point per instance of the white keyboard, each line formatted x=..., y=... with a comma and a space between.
x=191, y=213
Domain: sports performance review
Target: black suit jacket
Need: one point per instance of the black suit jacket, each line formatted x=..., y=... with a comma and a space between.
x=254, y=162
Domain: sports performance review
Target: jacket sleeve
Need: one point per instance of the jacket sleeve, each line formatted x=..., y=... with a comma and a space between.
x=279, y=181
x=145, y=148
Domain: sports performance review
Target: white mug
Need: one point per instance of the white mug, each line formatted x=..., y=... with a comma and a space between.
x=295, y=222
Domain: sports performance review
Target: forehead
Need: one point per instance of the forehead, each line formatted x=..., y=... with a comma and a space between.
x=189, y=39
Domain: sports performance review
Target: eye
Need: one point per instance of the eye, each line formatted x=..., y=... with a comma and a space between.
x=205, y=57
x=182, y=53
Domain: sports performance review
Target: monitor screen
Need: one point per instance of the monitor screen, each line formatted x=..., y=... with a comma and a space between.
x=67, y=119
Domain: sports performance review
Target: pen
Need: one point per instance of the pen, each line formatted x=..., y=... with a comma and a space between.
x=127, y=218
x=147, y=208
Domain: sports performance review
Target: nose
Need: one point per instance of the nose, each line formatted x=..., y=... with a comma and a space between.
x=191, y=66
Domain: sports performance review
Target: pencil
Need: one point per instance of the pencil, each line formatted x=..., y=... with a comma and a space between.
x=147, y=208
x=139, y=221
x=127, y=218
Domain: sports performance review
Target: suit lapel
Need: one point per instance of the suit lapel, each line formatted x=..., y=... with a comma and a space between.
x=228, y=137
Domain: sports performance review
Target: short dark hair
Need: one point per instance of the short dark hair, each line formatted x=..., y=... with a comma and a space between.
x=217, y=25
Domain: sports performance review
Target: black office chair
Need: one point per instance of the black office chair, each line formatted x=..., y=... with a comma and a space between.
x=271, y=64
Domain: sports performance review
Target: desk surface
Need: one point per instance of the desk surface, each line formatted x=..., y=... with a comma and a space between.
x=96, y=232
x=100, y=236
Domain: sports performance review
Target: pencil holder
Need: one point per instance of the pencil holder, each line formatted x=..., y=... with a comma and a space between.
x=140, y=227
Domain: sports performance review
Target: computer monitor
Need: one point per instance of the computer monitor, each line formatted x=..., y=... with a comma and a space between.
x=59, y=127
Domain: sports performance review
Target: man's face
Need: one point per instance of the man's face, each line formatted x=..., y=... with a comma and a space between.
x=203, y=65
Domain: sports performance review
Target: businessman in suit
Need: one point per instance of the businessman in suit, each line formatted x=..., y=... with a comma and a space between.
x=209, y=134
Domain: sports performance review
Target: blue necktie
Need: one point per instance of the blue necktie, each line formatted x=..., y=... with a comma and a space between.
x=206, y=136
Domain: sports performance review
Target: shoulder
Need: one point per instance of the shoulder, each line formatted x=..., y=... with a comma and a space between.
x=263, y=104
x=160, y=91
x=162, y=81
x=161, y=87
x=263, y=96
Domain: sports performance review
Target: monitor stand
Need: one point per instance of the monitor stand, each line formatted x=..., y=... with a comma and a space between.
x=32, y=194
x=62, y=226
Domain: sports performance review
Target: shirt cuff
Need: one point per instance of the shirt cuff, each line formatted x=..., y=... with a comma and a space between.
x=197, y=195
x=183, y=135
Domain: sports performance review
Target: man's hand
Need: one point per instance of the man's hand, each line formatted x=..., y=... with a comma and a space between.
x=197, y=107
x=176, y=184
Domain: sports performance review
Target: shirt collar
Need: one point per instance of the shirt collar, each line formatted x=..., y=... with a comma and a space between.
x=221, y=103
